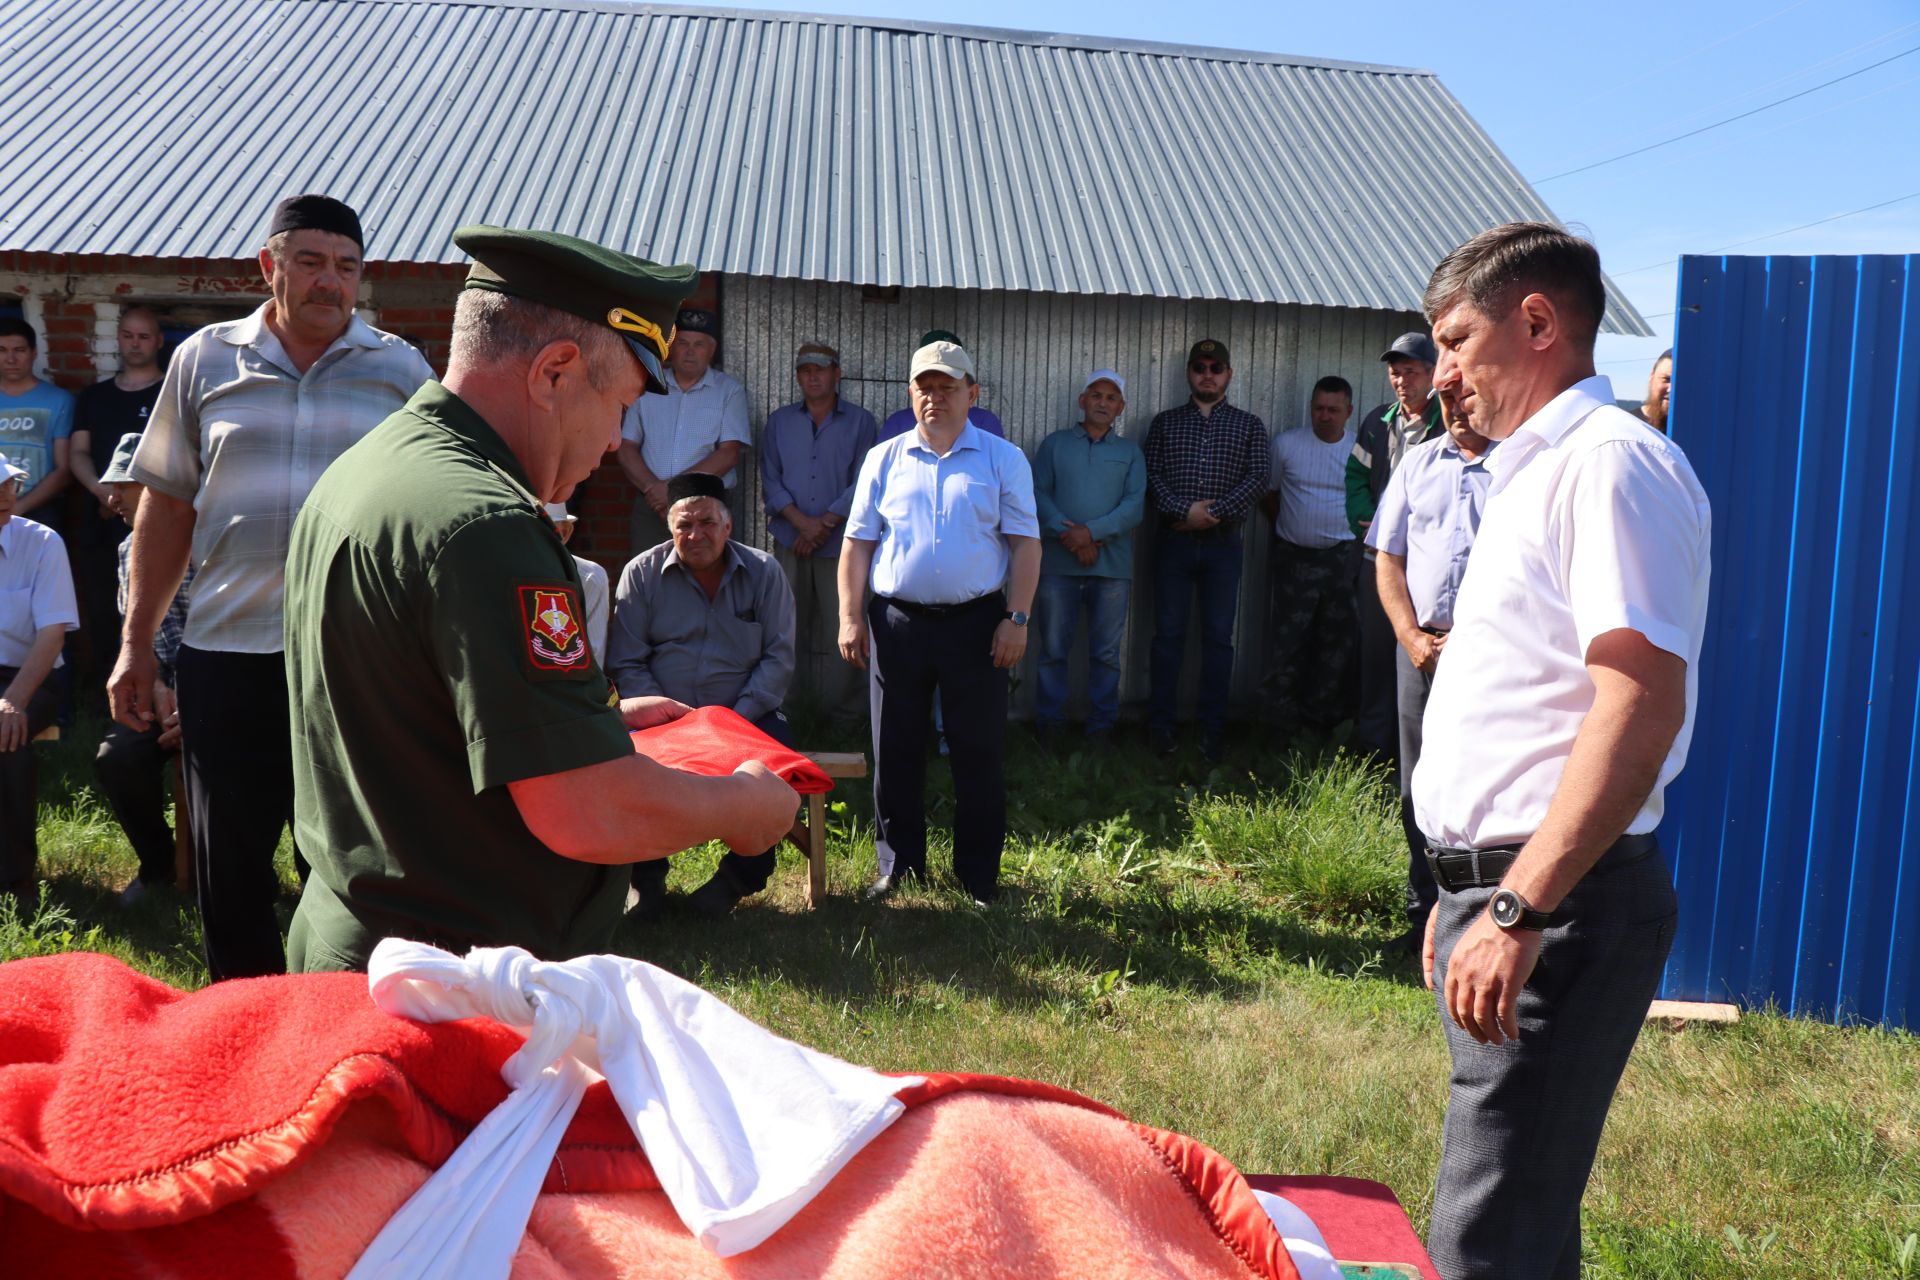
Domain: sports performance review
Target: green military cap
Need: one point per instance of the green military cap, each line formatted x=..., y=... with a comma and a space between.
x=630, y=295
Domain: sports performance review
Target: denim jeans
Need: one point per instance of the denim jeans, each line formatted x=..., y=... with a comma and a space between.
x=1181, y=563
x=1062, y=597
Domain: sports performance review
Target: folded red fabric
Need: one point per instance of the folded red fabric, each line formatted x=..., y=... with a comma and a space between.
x=714, y=741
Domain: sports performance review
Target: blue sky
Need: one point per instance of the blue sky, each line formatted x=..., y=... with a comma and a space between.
x=1558, y=86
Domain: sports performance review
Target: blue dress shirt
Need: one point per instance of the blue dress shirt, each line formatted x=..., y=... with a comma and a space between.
x=812, y=467
x=942, y=523
x=1430, y=513
x=901, y=421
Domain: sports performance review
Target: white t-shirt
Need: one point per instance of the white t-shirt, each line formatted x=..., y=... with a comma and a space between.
x=1594, y=522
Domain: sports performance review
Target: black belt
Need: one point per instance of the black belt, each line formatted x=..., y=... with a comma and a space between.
x=1458, y=869
x=914, y=606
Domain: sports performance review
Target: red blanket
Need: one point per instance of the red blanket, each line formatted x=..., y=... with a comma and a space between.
x=713, y=741
x=271, y=1126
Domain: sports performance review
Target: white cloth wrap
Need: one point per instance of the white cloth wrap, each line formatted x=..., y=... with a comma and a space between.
x=1308, y=1248
x=742, y=1128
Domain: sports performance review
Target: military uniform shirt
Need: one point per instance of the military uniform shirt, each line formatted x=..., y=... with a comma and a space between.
x=436, y=651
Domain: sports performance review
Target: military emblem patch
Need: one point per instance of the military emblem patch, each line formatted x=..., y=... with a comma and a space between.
x=556, y=641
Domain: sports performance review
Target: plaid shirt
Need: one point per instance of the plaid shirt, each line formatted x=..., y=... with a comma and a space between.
x=166, y=641
x=1222, y=457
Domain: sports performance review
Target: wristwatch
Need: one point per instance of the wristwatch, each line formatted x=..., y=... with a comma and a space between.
x=1017, y=617
x=1511, y=911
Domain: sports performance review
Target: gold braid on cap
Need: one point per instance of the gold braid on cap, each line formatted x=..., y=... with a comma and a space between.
x=627, y=322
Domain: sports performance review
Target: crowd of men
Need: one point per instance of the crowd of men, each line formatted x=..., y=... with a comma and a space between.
x=457, y=765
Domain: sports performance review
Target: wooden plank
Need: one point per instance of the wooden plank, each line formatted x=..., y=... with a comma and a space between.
x=816, y=850
x=1693, y=1011
x=49, y=734
x=840, y=764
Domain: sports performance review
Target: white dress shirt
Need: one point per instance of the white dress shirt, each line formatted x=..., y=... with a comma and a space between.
x=242, y=434
x=36, y=588
x=1594, y=522
x=677, y=430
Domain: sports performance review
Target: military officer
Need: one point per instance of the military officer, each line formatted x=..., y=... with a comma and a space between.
x=463, y=774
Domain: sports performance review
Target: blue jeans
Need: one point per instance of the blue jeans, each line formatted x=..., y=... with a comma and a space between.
x=1181, y=563
x=1061, y=598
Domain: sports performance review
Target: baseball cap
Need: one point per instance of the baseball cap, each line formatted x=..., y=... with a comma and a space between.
x=120, y=470
x=949, y=358
x=1208, y=349
x=1415, y=346
x=816, y=353
x=1105, y=375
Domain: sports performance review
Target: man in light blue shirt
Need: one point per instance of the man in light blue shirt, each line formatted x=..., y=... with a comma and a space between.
x=36, y=419
x=1090, y=490
x=1422, y=534
x=699, y=425
x=942, y=520
x=901, y=421
x=810, y=453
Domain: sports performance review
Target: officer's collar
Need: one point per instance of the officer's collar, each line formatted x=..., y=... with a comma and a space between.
x=447, y=410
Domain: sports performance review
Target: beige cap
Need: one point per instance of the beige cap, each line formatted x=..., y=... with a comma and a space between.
x=949, y=358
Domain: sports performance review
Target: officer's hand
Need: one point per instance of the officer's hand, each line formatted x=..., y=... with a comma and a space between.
x=762, y=814
x=13, y=726
x=130, y=688
x=1488, y=967
x=167, y=706
x=1009, y=644
x=853, y=642
x=645, y=713
x=1426, y=948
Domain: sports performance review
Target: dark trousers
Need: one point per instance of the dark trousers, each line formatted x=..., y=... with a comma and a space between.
x=95, y=575
x=237, y=751
x=1184, y=563
x=1311, y=636
x=1414, y=686
x=1377, y=728
x=19, y=787
x=131, y=766
x=916, y=651
x=746, y=874
x=1524, y=1118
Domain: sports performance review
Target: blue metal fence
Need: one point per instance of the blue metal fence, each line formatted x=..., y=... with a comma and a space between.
x=1796, y=394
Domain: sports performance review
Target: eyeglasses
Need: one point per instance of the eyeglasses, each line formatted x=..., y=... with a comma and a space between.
x=1206, y=366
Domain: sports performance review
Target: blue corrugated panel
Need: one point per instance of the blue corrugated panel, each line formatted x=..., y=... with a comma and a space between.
x=1793, y=829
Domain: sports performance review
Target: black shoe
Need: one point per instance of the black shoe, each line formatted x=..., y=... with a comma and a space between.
x=716, y=898
x=882, y=887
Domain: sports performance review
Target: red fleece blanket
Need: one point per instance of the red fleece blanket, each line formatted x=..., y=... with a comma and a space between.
x=714, y=741
x=272, y=1125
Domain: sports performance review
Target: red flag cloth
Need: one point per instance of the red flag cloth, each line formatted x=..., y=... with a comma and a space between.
x=714, y=741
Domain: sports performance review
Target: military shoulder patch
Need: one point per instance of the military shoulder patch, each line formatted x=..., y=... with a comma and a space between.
x=556, y=636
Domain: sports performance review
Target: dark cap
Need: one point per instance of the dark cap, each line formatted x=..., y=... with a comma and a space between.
x=1414, y=346
x=634, y=297
x=932, y=336
x=694, y=320
x=1208, y=349
x=695, y=484
x=316, y=213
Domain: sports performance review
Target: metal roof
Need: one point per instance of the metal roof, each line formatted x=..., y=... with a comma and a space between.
x=786, y=145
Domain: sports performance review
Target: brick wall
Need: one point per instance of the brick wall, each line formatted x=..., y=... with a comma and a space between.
x=75, y=301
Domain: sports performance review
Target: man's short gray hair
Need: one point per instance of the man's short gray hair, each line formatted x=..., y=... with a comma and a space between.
x=499, y=329
x=1497, y=268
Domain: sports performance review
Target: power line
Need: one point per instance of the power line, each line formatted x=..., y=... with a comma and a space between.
x=1772, y=235
x=1765, y=106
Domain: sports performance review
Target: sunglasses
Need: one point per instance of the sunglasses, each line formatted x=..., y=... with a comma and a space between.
x=1206, y=366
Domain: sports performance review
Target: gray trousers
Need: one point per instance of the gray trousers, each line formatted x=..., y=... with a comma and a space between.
x=1524, y=1118
x=1414, y=687
x=835, y=685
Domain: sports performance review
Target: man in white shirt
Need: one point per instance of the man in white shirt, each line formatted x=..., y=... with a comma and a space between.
x=1312, y=630
x=250, y=413
x=37, y=610
x=594, y=589
x=699, y=425
x=1563, y=709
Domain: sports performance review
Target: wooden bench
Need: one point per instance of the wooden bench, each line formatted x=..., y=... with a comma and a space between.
x=49, y=734
x=809, y=833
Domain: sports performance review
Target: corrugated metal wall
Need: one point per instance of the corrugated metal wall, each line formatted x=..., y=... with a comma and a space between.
x=1796, y=393
x=1033, y=350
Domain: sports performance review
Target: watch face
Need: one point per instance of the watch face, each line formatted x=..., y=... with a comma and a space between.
x=1505, y=908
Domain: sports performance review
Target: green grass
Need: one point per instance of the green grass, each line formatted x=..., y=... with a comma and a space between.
x=1204, y=948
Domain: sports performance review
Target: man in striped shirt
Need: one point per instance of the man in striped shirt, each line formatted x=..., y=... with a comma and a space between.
x=1311, y=627
x=250, y=413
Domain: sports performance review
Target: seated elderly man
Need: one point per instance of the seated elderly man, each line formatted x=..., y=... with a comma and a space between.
x=37, y=609
x=708, y=622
